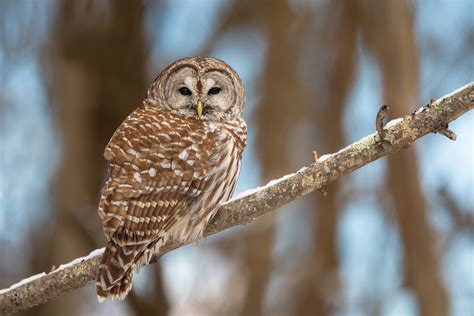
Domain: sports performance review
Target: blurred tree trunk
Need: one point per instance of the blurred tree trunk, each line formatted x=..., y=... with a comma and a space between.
x=99, y=55
x=342, y=47
x=321, y=292
x=390, y=34
x=278, y=113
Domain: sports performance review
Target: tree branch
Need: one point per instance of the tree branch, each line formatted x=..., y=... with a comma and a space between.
x=398, y=134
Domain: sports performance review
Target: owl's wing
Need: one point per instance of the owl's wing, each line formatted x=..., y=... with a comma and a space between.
x=159, y=163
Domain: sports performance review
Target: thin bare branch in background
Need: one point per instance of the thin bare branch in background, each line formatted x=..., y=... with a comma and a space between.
x=462, y=219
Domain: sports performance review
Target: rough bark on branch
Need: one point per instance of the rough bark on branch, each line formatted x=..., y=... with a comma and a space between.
x=399, y=133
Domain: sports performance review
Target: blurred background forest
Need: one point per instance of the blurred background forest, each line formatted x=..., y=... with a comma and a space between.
x=394, y=238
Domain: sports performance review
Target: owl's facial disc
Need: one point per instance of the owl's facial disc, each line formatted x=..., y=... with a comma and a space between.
x=204, y=96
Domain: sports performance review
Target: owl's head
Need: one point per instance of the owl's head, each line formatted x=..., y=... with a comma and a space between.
x=202, y=88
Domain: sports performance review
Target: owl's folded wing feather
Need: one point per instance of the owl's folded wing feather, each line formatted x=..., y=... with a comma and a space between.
x=155, y=171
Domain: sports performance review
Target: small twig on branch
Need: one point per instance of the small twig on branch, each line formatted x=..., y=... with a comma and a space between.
x=447, y=132
x=381, y=115
x=248, y=206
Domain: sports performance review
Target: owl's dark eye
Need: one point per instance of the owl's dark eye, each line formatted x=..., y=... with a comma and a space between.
x=184, y=91
x=214, y=90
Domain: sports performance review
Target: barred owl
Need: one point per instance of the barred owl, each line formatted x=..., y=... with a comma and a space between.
x=171, y=163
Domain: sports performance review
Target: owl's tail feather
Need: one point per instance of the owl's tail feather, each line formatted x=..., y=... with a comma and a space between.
x=118, y=291
x=115, y=271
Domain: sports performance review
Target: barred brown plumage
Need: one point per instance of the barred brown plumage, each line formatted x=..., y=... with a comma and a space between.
x=171, y=163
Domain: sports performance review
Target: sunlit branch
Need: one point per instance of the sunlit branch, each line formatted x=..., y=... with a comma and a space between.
x=397, y=134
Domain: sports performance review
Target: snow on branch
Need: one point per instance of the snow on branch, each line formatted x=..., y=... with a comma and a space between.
x=396, y=135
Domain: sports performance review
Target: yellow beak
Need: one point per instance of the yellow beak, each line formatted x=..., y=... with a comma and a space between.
x=199, y=108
